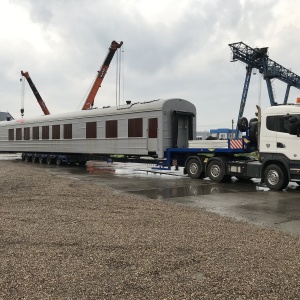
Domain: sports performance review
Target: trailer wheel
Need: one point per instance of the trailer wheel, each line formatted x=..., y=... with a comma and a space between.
x=34, y=159
x=27, y=158
x=49, y=160
x=216, y=171
x=41, y=159
x=275, y=178
x=58, y=160
x=194, y=168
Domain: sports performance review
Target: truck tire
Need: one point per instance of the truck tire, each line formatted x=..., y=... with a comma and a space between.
x=41, y=159
x=194, y=168
x=242, y=124
x=27, y=158
x=34, y=159
x=253, y=131
x=216, y=171
x=275, y=178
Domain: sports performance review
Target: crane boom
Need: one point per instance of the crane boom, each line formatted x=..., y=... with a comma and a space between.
x=36, y=93
x=89, y=102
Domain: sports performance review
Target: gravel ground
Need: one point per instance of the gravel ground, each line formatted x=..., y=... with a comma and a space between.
x=63, y=239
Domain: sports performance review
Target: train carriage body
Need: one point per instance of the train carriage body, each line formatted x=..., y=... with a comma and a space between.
x=135, y=129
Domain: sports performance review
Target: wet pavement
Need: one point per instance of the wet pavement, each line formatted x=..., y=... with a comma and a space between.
x=243, y=200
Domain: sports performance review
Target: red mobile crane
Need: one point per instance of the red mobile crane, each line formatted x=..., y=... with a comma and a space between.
x=36, y=93
x=89, y=102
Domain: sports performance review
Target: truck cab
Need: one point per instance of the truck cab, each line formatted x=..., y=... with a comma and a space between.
x=279, y=143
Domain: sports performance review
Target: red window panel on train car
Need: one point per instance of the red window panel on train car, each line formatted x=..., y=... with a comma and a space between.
x=111, y=129
x=55, y=132
x=11, y=134
x=19, y=134
x=27, y=133
x=36, y=133
x=67, y=131
x=45, y=132
x=91, y=130
x=152, y=128
x=135, y=127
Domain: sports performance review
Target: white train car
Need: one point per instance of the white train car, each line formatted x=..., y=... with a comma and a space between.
x=133, y=129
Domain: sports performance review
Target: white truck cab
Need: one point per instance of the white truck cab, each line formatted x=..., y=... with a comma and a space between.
x=279, y=145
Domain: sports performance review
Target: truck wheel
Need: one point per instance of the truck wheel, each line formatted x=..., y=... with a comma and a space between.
x=216, y=171
x=27, y=158
x=49, y=160
x=41, y=159
x=275, y=178
x=253, y=131
x=194, y=168
x=34, y=159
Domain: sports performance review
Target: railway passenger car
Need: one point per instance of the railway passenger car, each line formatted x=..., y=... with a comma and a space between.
x=133, y=129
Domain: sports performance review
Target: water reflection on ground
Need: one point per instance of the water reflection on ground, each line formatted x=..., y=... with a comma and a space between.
x=243, y=200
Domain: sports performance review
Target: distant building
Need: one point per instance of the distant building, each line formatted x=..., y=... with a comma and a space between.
x=202, y=135
x=5, y=116
x=222, y=133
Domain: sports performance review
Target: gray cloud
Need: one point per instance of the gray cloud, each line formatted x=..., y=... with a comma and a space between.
x=169, y=54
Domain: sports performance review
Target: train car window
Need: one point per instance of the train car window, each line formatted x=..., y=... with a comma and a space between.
x=19, y=134
x=67, y=131
x=35, y=133
x=55, y=132
x=11, y=134
x=135, y=127
x=45, y=132
x=152, y=128
x=111, y=129
x=91, y=130
x=27, y=133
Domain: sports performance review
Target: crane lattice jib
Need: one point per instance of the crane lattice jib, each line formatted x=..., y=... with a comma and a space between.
x=258, y=58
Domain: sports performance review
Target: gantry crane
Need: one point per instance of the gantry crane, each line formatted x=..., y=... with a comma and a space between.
x=89, y=102
x=257, y=58
x=36, y=93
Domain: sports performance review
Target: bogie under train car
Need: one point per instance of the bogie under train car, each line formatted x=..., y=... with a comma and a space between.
x=133, y=129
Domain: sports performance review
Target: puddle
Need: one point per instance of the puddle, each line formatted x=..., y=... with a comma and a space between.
x=242, y=200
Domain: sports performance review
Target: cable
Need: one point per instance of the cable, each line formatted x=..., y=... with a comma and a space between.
x=22, y=95
x=123, y=81
x=120, y=65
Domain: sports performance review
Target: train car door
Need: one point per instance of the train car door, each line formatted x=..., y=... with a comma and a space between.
x=182, y=139
x=182, y=128
x=152, y=135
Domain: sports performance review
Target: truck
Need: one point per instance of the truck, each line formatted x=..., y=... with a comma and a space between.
x=273, y=136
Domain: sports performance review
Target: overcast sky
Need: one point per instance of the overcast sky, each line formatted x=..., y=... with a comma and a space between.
x=171, y=49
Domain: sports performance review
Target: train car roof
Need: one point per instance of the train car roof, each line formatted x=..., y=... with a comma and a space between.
x=116, y=110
